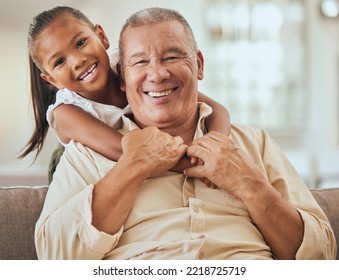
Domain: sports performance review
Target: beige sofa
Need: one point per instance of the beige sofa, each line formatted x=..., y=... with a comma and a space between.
x=20, y=208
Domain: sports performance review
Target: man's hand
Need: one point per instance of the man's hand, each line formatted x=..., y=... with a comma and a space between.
x=225, y=164
x=156, y=151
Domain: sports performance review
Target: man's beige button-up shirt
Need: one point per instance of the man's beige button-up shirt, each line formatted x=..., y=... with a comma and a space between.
x=174, y=217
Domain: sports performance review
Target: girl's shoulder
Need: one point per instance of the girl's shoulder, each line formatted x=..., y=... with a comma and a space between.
x=65, y=96
x=107, y=114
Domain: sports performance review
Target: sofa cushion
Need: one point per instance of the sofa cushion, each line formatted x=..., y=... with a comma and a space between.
x=20, y=209
x=328, y=199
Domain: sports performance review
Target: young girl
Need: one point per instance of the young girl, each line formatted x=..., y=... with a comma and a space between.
x=70, y=68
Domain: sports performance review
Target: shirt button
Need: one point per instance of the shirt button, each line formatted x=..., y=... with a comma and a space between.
x=201, y=256
x=196, y=209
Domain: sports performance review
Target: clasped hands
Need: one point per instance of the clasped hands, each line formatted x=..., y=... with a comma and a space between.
x=221, y=161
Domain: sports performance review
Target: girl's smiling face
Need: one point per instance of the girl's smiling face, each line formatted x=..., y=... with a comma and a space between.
x=74, y=56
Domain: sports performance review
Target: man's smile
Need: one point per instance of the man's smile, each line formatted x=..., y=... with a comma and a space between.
x=160, y=93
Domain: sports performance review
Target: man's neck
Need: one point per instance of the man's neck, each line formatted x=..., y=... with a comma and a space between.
x=186, y=129
x=186, y=132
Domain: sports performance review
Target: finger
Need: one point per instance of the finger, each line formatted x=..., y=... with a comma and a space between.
x=194, y=160
x=198, y=152
x=196, y=171
x=206, y=142
x=182, y=150
x=200, y=162
x=178, y=139
x=213, y=135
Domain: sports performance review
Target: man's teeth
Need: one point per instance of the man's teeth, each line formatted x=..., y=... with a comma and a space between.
x=159, y=94
x=87, y=75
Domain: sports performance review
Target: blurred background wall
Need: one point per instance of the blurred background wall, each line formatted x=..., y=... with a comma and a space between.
x=273, y=64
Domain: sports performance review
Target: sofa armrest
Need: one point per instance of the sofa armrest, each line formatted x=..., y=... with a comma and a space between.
x=328, y=200
x=20, y=208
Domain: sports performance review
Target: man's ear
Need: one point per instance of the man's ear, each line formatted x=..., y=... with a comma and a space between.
x=200, y=60
x=51, y=80
x=102, y=35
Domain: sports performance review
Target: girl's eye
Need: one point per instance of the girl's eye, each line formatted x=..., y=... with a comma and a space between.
x=59, y=62
x=80, y=43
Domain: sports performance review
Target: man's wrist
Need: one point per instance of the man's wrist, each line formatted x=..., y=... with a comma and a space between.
x=134, y=167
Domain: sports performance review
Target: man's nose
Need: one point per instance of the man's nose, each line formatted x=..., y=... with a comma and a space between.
x=157, y=72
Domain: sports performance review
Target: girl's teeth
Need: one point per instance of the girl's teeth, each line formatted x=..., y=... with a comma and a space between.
x=87, y=75
x=158, y=94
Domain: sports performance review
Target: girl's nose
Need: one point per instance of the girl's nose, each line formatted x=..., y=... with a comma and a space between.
x=78, y=61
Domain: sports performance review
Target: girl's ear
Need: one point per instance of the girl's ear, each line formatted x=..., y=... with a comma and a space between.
x=200, y=60
x=102, y=35
x=51, y=80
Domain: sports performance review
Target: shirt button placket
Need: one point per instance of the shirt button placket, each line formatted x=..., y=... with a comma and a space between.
x=197, y=228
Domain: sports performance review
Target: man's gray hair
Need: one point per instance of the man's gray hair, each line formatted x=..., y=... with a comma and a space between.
x=155, y=15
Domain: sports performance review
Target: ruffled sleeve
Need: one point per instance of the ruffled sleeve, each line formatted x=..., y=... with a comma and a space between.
x=65, y=96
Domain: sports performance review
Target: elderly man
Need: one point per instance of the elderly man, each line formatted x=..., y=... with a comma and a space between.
x=136, y=209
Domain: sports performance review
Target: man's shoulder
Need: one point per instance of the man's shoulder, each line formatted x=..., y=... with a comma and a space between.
x=247, y=134
x=246, y=129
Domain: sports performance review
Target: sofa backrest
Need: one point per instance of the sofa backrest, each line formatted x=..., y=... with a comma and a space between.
x=20, y=208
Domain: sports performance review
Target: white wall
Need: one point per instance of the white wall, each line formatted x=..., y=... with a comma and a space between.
x=16, y=117
x=322, y=139
x=111, y=14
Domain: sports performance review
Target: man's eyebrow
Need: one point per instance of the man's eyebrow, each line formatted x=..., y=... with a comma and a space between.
x=176, y=50
x=70, y=42
x=137, y=54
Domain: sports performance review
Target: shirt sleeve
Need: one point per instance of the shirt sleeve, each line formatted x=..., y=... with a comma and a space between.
x=319, y=240
x=64, y=229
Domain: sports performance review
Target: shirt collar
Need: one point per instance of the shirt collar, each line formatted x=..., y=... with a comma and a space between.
x=204, y=111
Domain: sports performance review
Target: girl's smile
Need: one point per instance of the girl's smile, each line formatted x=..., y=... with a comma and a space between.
x=89, y=74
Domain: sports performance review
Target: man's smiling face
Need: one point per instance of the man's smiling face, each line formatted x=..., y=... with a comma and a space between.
x=161, y=70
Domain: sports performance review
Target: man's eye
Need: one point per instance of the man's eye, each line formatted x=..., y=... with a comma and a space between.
x=140, y=62
x=171, y=58
x=80, y=43
x=59, y=62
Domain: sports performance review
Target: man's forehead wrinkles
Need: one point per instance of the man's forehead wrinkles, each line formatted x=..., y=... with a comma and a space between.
x=156, y=51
